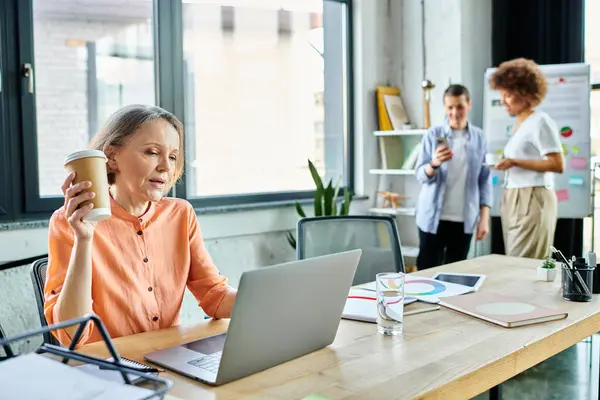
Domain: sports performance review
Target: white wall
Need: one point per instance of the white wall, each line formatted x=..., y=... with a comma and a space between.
x=476, y=38
x=372, y=65
x=458, y=50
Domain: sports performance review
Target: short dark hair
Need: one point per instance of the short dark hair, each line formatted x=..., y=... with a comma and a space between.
x=456, y=90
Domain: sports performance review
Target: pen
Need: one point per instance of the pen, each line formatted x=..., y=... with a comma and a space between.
x=422, y=310
x=141, y=368
x=148, y=370
x=570, y=268
x=366, y=288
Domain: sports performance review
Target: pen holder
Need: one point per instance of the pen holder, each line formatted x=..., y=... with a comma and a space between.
x=574, y=287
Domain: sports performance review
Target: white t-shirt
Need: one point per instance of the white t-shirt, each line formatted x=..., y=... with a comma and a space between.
x=456, y=182
x=536, y=137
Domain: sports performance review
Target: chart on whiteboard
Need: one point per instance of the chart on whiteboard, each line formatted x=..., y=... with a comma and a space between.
x=568, y=104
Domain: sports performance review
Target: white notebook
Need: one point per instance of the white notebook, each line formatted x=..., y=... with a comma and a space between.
x=361, y=305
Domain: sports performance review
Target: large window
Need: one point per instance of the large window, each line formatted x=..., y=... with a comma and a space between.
x=256, y=92
x=261, y=86
x=91, y=58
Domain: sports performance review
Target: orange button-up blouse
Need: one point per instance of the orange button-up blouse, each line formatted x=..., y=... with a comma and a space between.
x=140, y=268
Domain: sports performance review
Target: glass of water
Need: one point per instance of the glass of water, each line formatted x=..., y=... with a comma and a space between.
x=390, y=302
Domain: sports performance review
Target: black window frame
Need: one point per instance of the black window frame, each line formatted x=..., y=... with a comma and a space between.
x=6, y=211
x=20, y=199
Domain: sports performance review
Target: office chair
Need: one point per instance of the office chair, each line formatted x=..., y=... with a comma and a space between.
x=377, y=236
x=38, y=278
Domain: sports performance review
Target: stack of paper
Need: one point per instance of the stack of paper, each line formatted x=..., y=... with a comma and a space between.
x=33, y=376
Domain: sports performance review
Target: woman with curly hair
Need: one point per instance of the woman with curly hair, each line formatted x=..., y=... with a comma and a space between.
x=531, y=156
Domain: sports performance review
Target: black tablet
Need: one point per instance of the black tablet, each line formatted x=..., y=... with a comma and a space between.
x=471, y=280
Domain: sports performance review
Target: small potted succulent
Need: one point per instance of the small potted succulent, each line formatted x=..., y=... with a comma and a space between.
x=547, y=271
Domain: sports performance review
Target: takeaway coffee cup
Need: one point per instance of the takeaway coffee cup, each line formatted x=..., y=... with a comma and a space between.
x=492, y=159
x=90, y=165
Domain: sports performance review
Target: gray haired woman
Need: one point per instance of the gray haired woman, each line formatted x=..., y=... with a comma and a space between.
x=131, y=269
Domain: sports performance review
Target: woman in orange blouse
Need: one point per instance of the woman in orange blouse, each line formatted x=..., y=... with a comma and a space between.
x=131, y=269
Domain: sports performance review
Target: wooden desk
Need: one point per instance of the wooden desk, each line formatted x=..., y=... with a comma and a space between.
x=441, y=354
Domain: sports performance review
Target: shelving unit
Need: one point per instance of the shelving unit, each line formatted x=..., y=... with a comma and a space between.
x=396, y=175
x=392, y=171
x=393, y=211
x=410, y=132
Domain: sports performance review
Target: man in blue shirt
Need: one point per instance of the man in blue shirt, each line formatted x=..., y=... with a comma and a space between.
x=455, y=198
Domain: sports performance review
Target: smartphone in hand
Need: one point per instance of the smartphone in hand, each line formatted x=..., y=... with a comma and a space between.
x=441, y=141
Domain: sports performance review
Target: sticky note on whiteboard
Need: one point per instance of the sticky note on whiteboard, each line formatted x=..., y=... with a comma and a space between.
x=578, y=162
x=576, y=149
x=576, y=180
x=562, y=195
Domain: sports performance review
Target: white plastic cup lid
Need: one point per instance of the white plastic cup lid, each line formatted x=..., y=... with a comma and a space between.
x=84, y=154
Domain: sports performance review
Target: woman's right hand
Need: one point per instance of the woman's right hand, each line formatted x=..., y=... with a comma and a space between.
x=74, y=196
x=442, y=154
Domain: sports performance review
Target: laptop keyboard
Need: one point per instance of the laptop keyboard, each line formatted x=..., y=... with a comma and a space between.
x=209, y=362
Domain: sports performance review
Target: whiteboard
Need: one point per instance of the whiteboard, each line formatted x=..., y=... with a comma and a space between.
x=568, y=104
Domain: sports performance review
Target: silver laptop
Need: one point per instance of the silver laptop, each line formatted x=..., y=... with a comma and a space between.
x=280, y=313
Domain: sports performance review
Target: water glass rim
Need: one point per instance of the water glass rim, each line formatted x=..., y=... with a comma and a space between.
x=390, y=275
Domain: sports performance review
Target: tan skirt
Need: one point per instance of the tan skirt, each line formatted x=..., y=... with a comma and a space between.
x=528, y=221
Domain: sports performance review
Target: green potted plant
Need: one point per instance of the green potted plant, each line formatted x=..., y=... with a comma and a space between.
x=547, y=271
x=325, y=201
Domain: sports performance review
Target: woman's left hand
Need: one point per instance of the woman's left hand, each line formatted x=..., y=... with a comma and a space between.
x=505, y=164
x=483, y=229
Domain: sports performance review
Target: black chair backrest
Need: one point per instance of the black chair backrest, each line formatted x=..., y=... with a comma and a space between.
x=38, y=278
x=377, y=236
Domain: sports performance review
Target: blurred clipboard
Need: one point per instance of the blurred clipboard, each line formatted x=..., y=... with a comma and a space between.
x=36, y=376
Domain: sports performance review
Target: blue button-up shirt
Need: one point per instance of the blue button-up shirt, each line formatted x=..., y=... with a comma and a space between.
x=478, y=186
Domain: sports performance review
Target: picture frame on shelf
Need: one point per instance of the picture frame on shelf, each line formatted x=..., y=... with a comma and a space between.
x=396, y=111
x=390, y=109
